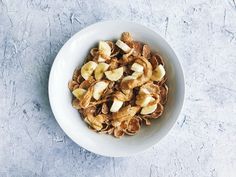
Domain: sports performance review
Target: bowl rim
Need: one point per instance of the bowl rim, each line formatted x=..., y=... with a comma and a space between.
x=52, y=71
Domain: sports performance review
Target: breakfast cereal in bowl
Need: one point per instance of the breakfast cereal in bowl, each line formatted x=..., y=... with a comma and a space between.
x=120, y=87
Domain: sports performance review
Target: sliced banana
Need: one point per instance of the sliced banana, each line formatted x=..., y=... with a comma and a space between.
x=100, y=69
x=127, y=78
x=101, y=59
x=144, y=90
x=136, y=74
x=123, y=46
x=87, y=69
x=104, y=49
x=145, y=100
x=137, y=68
x=148, y=109
x=125, y=56
x=116, y=105
x=115, y=74
x=79, y=93
x=99, y=87
x=158, y=73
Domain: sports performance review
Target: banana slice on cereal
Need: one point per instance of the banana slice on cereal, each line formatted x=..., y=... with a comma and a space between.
x=104, y=51
x=99, y=87
x=115, y=75
x=128, y=78
x=137, y=68
x=143, y=100
x=144, y=91
x=158, y=73
x=100, y=69
x=79, y=93
x=116, y=105
x=135, y=74
x=87, y=69
x=148, y=109
x=123, y=46
x=138, y=71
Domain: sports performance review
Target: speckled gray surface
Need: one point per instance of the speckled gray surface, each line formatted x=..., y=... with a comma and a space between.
x=201, y=144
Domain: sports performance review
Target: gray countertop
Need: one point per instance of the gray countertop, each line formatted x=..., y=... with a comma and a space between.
x=201, y=144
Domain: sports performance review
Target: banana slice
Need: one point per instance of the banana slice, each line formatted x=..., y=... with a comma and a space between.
x=79, y=93
x=136, y=74
x=148, y=109
x=137, y=68
x=116, y=105
x=104, y=49
x=99, y=87
x=115, y=74
x=158, y=73
x=144, y=90
x=100, y=69
x=101, y=59
x=123, y=46
x=127, y=78
x=87, y=69
x=144, y=100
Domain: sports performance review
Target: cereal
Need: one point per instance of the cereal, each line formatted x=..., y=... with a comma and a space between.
x=146, y=51
x=126, y=37
x=121, y=86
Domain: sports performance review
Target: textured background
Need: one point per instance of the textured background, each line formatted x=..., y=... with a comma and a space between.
x=201, y=144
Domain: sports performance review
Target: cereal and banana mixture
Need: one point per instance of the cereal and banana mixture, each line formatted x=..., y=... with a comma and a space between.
x=121, y=85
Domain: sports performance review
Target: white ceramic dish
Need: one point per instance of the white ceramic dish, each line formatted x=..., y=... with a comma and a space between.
x=73, y=54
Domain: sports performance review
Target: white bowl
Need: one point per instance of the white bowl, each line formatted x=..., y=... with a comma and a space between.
x=73, y=54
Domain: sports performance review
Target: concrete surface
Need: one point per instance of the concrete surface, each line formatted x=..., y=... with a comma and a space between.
x=201, y=144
